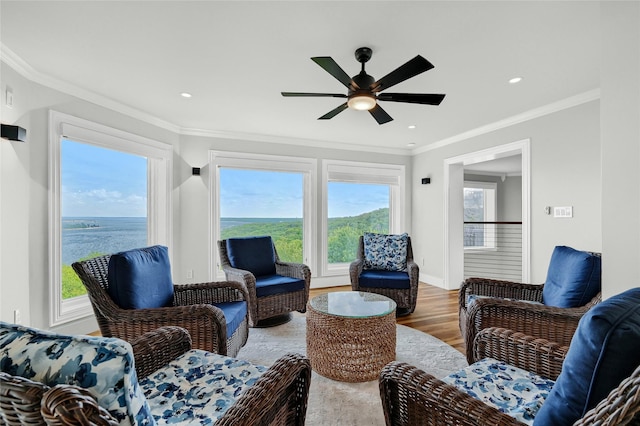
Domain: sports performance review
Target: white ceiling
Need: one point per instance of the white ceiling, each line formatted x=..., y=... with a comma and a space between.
x=236, y=57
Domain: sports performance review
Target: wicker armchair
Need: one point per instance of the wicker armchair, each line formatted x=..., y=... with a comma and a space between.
x=278, y=397
x=520, y=379
x=405, y=296
x=274, y=295
x=507, y=304
x=193, y=309
x=411, y=397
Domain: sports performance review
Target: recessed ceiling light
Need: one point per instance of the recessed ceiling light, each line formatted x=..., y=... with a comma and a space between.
x=411, y=144
x=515, y=80
x=185, y=94
x=413, y=126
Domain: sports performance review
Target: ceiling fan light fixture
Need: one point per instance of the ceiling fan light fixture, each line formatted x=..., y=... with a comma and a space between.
x=361, y=102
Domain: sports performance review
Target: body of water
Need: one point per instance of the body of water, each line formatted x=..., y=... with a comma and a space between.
x=86, y=236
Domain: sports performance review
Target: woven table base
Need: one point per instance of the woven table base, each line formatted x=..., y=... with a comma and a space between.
x=350, y=349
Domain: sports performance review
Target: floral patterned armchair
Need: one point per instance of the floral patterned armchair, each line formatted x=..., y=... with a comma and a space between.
x=157, y=379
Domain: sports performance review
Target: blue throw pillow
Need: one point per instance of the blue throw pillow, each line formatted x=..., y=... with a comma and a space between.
x=385, y=252
x=573, y=278
x=604, y=350
x=141, y=278
x=253, y=254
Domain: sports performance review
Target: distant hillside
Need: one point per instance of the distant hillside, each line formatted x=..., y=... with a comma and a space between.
x=342, y=238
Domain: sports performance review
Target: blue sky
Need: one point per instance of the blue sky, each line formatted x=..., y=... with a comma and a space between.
x=253, y=193
x=104, y=183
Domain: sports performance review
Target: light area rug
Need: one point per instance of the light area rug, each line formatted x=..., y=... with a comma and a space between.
x=352, y=404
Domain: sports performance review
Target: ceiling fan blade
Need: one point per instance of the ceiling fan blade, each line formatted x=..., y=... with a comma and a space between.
x=317, y=95
x=332, y=67
x=334, y=112
x=380, y=115
x=404, y=72
x=412, y=98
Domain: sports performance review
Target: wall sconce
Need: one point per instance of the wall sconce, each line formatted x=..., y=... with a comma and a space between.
x=426, y=181
x=14, y=133
x=195, y=171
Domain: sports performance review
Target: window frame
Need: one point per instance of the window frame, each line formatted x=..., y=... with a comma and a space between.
x=490, y=231
x=159, y=183
x=269, y=163
x=361, y=173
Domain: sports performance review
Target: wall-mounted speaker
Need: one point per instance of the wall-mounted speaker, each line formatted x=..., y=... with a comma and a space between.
x=14, y=133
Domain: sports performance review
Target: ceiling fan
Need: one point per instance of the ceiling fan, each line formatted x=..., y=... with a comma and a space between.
x=364, y=90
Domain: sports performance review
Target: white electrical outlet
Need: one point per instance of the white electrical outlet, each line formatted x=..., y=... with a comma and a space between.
x=17, y=316
x=563, y=211
x=9, y=97
x=190, y=274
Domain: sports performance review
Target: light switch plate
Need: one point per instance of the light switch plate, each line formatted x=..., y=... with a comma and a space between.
x=563, y=211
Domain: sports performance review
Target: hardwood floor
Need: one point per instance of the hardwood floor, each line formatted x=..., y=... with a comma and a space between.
x=436, y=313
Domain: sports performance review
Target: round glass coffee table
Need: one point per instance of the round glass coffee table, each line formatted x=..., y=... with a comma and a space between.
x=351, y=335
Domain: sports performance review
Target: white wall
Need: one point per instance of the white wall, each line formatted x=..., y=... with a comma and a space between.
x=565, y=170
x=620, y=134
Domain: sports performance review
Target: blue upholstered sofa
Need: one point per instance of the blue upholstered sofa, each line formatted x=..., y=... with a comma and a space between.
x=157, y=379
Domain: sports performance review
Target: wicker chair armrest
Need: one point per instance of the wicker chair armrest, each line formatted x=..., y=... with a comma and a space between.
x=239, y=275
x=355, y=269
x=540, y=356
x=71, y=405
x=205, y=323
x=157, y=348
x=620, y=407
x=281, y=394
x=212, y=292
x=412, y=397
x=20, y=400
x=294, y=270
x=499, y=288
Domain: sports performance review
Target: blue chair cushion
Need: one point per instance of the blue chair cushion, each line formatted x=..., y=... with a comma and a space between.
x=384, y=279
x=573, y=278
x=387, y=252
x=277, y=284
x=198, y=387
x=141, y=278
x=604, y=351
x=234, y=314
x=509, y=389
x=253, y=254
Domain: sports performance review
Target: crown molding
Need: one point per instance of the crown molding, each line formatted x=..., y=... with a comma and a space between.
x=27, y=71
x=560, y=105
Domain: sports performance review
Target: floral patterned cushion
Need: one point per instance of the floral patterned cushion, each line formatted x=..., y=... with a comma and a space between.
x=385, y=252
x=103, y=366
x=197, y=387
x=511, y=390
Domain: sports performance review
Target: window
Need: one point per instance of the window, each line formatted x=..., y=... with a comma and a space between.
x=254, y=194
x=359, y=198
x=479, y=208
x=110, y=192
x=277, y=204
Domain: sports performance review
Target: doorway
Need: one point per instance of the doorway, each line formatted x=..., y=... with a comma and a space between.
x=454, y=170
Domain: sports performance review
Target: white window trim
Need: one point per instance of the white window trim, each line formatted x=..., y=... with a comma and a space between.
x=489, y=230
x=159, y=184
x=264, y=162
x=359, y=172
